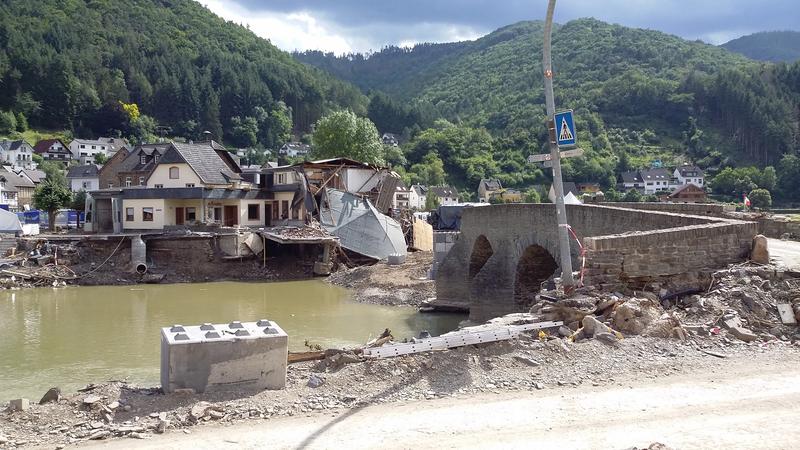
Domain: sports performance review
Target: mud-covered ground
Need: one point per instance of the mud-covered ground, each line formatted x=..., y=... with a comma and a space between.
x=529, y=362
x=402, y=285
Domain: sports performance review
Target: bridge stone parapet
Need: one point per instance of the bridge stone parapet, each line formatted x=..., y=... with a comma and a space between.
x=505, y=252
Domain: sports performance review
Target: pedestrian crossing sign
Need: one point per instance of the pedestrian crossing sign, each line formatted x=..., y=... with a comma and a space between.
x=565, y=129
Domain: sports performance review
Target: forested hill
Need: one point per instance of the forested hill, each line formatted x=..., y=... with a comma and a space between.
x=633, y=90
x=773, y=46
x=68, y=64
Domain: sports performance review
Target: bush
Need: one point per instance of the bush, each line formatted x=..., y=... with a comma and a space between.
x=632, y=196
x=760, y=198
x=8, y=123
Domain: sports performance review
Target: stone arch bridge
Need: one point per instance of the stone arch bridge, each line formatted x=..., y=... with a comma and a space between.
x=505, y=252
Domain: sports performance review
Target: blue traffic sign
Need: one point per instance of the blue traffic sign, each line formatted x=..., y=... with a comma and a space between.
x=565, y=129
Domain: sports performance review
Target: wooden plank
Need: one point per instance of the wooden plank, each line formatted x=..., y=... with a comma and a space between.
x=422, y=236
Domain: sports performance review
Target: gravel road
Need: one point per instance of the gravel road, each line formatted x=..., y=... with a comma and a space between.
x=747, y=404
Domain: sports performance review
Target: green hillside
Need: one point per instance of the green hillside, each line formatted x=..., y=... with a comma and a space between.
x=775, y=46
x=68, y=63
x=638, y=93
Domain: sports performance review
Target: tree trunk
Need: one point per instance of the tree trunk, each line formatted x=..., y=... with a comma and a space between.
x=51, y=216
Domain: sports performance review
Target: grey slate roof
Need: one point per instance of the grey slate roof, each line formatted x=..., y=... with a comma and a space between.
x=35, y=174
x=87, y=171
x=690, y=171
x=491, y=185
x=443, y=191
x=631, y=177
x=12, y=145
x=655, y=175
x=203, y=159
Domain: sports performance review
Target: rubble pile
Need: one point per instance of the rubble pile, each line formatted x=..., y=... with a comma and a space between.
x=743, y=301
x=40, y=264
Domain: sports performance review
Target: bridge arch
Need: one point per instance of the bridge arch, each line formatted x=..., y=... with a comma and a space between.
x=481, y=252
x=535, y=265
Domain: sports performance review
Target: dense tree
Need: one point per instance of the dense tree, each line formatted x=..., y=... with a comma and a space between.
x=175, y=59
x=343, y=134
x=760, y=198
x=51, y=196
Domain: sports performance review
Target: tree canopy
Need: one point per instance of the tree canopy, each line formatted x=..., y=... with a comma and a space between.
x=343, y=134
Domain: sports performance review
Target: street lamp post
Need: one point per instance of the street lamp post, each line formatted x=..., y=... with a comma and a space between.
x=561, y=211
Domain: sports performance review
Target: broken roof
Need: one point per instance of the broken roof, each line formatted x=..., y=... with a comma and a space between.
x=360, y=226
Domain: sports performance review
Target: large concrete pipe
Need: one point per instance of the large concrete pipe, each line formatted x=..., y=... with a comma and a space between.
x=138, y=254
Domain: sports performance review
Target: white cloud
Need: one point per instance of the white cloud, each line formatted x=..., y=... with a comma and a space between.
x=300, y=30
x=292, y=31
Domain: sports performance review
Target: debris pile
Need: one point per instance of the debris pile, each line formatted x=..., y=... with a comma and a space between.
x=43, y=264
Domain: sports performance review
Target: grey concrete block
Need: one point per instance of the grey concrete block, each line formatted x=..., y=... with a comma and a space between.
x=214, y=357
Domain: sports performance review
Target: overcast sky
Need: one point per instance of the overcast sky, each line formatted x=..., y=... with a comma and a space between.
x=343, y=26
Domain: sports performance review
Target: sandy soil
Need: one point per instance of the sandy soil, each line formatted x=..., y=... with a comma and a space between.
x=380, y=283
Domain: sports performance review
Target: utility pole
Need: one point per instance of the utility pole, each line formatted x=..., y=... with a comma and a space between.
x=561, y=211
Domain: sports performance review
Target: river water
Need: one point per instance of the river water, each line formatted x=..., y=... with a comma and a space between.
x=69, y=337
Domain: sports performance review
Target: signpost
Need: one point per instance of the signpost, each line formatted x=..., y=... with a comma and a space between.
x=561, y=128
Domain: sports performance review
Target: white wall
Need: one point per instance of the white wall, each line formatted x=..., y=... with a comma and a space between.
x=185, y=176
x=76, y=184
x=361, y=180
x=138, y=222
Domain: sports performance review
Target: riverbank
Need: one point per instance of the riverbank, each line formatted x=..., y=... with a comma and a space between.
x=525, y=364
x=405, y=284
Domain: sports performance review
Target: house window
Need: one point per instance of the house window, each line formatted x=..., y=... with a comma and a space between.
x=156, y=157
x=93, y=147
x=143, y=159
x=296, y=212
x=147, y=214
x=281, y=178
x=86, y=184
x=127, y=181
x=141, y=181
x=110, y=185
x=82, y=146
x=159, y=186
x=253, y=212
x=275, y=212
x=129, y=214
x=174, y=173
x=191, y=213
x=189, y=185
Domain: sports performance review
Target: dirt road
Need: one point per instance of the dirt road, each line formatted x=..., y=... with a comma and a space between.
x=743, y=405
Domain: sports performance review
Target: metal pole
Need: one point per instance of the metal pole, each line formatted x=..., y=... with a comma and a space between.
x=558, y=185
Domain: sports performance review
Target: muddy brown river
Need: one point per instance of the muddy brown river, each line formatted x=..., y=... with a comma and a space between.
x=69, y=337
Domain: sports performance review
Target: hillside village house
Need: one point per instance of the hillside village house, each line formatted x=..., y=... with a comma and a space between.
x=688, y=193
x=129, y=168
x=390, y=139
x=191, y=183
x=294, y=149
x=417, y=196
x=53, y=150
x=18, y=154
x=486, y=188
x=84, y=178
x=16, y=191
x=401, y=197
x=84, y=150
x=445, y=194
x=655, y=180
x=689, y=174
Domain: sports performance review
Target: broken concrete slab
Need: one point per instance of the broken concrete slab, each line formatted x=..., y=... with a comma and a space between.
x=743, y=334
x=787, y=314
x=19, y=404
